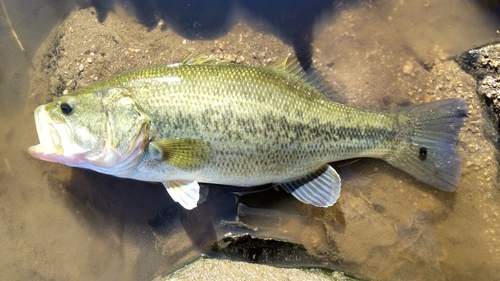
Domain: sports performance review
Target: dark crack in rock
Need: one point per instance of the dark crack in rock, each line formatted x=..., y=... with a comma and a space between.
x=269, y=251
x=481, y=61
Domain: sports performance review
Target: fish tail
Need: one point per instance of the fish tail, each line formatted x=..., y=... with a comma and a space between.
x=427, y=149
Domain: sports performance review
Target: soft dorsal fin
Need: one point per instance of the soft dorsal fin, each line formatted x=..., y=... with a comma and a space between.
x=199, y=59
x=320, y=189
x=186, y=154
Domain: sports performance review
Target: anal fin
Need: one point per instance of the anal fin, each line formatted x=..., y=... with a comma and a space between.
x=320, y=189
x=186, y=193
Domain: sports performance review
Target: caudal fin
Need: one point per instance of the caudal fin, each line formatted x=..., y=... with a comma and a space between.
x=428, y=152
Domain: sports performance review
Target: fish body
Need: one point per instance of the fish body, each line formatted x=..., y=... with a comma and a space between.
x=208, y=121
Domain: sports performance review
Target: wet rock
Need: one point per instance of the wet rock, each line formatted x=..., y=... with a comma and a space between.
x=417, y=235
x=483, y=63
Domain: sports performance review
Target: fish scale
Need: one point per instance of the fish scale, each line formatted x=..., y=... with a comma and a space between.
x=214, y=122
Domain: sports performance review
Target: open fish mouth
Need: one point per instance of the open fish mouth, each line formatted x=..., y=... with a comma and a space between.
x=50, y=141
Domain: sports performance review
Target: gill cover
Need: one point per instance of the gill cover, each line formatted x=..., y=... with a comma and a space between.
x=127, y=128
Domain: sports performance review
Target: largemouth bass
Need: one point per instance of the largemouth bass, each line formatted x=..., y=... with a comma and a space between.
x=204, y=120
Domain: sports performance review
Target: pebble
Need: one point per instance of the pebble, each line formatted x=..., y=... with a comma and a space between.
x=408, y=68
x=230, y=57
x=240, y=59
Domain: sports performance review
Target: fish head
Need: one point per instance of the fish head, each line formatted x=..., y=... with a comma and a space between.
x=103, y=130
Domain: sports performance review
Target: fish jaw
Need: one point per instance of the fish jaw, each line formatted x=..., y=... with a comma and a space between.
x=48, y=137
x=51, y=144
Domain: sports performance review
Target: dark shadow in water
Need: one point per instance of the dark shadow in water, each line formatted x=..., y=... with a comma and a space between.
x=117, y=201
x=490, y=6
x=291, y=20
x=200, y=224
x=115, y=212
x=141, y=214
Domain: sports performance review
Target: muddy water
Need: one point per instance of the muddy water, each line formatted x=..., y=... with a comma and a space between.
x=61, y=223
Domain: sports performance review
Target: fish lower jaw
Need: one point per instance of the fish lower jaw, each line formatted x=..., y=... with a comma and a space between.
x=36, y=150
x=47, y=154
x=47, y=149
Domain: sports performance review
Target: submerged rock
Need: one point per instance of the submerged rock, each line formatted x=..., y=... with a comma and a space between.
x=483, y=63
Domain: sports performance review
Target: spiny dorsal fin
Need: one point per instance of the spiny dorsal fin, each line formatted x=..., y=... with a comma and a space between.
x=290, y=64
x=198, y=59
x=182, y=153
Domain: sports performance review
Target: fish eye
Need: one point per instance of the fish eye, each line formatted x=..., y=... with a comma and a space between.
x=66, y=108
x=422, y=153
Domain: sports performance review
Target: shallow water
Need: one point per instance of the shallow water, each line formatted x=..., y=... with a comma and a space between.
x=62, y=223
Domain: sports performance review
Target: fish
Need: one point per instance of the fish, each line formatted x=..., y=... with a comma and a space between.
x=205, y=120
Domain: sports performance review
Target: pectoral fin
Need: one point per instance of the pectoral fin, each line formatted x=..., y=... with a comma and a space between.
x=320, y=189
x=186, y=193
x=186, y=154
